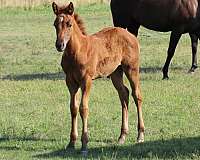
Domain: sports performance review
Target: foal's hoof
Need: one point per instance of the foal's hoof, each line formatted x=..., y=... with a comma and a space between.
x=84, y=150
x=140, y=138
x=84, y=153
x=70, y=146
x=121, y=139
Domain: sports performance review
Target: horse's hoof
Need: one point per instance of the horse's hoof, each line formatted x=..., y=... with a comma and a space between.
x=121, y=140
x=192, y=69
x=140, y=138
x=165, y=78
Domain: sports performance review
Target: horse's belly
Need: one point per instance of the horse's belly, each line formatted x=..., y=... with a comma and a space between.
x=154, y=21
x=157, y=27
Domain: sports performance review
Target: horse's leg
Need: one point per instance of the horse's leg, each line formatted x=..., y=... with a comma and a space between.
x=174, y=38
x=117, y=80
x=125, y=21
x=122, y=20
x=133, y=77
x=194, y=43
x=73, y=89
x=133, y=28
x=84, y=111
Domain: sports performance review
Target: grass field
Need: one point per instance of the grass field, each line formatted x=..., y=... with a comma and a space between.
x=34, y=101
x=28, y=4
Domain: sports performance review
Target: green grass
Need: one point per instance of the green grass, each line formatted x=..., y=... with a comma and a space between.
x=34, y=101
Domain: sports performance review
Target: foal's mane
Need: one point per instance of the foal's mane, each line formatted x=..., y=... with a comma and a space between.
x=80, y=23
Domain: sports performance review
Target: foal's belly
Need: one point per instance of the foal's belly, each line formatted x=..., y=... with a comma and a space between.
x=106, y=67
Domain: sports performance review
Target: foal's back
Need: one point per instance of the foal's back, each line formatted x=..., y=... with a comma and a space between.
x=112, y=47
x=115, y=41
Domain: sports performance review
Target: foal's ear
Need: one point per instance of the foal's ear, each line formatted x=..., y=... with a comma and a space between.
x=70, y=8
x=55, y=8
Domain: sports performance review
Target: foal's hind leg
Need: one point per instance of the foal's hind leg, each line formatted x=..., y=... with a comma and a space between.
x=133, y=77
x=117, y=80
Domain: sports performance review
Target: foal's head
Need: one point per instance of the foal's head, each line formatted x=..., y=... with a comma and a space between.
x=63, y=24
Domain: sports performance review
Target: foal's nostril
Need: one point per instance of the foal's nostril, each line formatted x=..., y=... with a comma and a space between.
x=59, y=46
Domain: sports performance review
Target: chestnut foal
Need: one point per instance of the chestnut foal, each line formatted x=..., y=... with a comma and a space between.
x=110, y=52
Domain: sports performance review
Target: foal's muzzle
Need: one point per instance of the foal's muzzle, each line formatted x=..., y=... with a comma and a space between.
x=60, y=46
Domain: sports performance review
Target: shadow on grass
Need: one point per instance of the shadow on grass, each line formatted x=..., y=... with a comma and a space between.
x=156, y=69
x=41, y=76
x=61, y=75
x=9, y=148
x=11, y=143
x=3, y=139
x=183, y=147
x=150, y=69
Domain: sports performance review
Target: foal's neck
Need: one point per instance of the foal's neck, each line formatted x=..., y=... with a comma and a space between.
x=77, y=39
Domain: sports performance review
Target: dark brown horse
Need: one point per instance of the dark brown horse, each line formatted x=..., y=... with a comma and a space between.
x=177, y=16
x=110, y=52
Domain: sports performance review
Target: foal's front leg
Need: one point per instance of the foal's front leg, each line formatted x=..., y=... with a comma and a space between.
x=84, y=111
x=73, y=90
